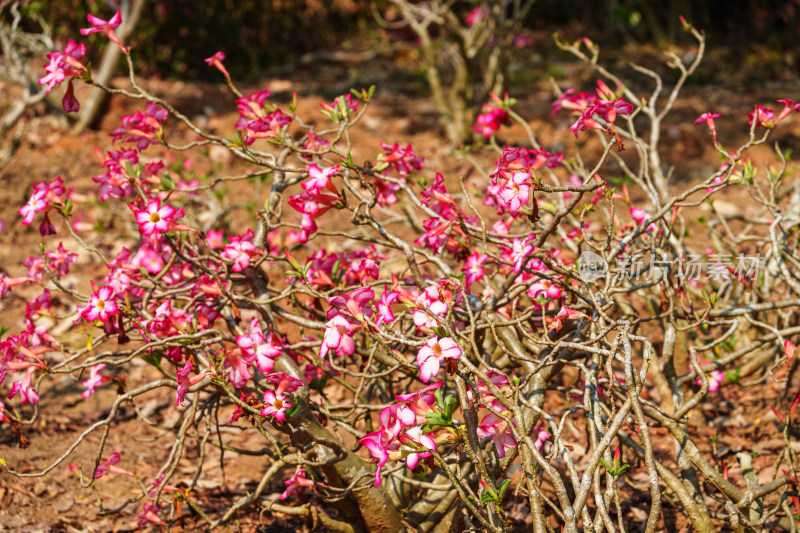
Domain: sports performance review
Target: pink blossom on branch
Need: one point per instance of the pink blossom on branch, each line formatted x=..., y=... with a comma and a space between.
x=241, y=250
x=149, y=515
x=101, y=306
x=155, y=218
x=37, y=202
x=763, y=116
x=320, y=178
x=473, y=267
x=105, y=27
x=24, y=387
x=297, y=483
x=404, y=160
x=499, y=431
x=109, y=466
x=185, y=381
x=63, y=65
x=94, y=381
x=276, y=405
x=515, y=192
x=715, y=379
x=142, y=128
x=338, y=337
x=708, y=119
x=384, y=306
x=216, y=61
x=432, y=353
x=490, y=119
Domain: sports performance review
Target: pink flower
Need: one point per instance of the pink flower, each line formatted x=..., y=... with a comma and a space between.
x=184, y=381
x=378, y=449
x=788, y=106
x=715, y=379
x=429, y=299
x=789, y=349
x=421, y=402
x=415, y=435
x=241, y=250
x=267, y=126
x=337, y=337
x=489, y=119
x=573, y=101
x=94, y=381
x=763, y=117
x=319, y=179
x=215, y=239
x=541, y=437
x=35, y=268
x=516, y=192
x=564, y=314
x=109, y=467
x=473, y=268
x=357, y=303
x=216, y=61
x=708, y=118
x=606, y=109
x=239, y=371
x=256, y=348
x=101, y=305
x=284, y=382
x=149, y=515
x=384, y=306
x=297, y=483
x=154, y=218
x=37, y=202
x=276, y=405
x=61, y=260
x=641, y=217
x=106, y=28
x=432, y=353
x=520, y=252
x=63, y=65
x=404, y=160
x=499, y=430
x=142, y=128
x=26, y=392
x=477, y=14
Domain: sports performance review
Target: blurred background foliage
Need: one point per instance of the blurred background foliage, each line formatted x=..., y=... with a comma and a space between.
x=175, y=36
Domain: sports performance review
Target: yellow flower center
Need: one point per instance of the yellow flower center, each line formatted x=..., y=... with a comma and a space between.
x=155, y=218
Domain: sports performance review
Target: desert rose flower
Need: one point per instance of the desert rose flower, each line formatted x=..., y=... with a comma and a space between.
x=297, y=483
x=101, y=305
x=154, y=218
x=432, y=354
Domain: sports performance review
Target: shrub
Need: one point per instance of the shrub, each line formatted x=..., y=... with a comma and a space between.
x=558, y=333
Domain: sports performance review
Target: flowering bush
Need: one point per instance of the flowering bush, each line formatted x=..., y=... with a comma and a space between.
x=552, y=331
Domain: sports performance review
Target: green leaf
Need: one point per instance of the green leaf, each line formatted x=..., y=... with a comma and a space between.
x=438, y=396
x=292, y=410
x=86, y=75
x=153, y=358
x=166, y=182
x=449, y=407
x=503, y=487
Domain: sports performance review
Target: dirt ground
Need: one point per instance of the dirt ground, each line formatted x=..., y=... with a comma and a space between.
x=56, y=503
